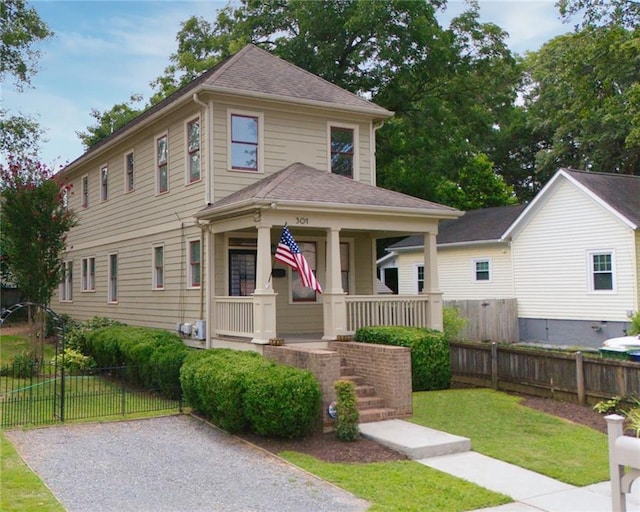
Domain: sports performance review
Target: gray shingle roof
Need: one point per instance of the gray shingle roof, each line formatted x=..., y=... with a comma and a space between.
x=620, y=191
x=301, y=183
x=474, y=226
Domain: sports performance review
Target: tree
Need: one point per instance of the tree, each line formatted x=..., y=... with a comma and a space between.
x=110, y=121
x=622, y=13
x=35, y=220
x=19, y=135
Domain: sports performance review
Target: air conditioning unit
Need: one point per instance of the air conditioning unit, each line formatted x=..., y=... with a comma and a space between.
x=186, y=329
x=200, y=330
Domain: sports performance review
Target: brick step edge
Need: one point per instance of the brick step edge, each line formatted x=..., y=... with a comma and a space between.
x=370, y=415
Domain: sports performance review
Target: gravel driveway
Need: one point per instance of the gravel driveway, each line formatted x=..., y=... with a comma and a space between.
x=172, y=464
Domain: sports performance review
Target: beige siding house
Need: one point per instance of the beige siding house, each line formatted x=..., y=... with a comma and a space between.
x=180, y=212
x=570, y=258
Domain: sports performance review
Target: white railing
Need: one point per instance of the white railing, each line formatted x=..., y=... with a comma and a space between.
x=367, y=310
x=233, y=316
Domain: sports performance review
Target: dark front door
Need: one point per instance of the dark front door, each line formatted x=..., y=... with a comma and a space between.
x=242, y=272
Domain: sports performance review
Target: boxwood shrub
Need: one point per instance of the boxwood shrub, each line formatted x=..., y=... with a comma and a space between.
x=430, y=362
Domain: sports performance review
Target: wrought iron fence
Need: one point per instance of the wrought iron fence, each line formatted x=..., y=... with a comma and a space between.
x=33, y=393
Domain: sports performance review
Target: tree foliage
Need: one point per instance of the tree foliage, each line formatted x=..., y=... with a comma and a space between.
x=19, y=135
x=621, y=13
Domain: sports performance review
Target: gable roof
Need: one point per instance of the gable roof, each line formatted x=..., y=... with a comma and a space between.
x=482, y=225
x=300, y=183
x=254, y=72
x=617, y=193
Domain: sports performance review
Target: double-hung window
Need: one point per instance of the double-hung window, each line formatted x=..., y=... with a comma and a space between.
x=104, y=183
x=342, y=148
x=420, y=278
x=162, y=164
x=245, y=136
x=193, y=151
x=112, y=296
x=66, y=286
x=298, y=292
x=158, y=267
x=88, y=274
x=129, y=178
x=602, y=271
x=482, y=270
x=85, y=192
x=194, y=263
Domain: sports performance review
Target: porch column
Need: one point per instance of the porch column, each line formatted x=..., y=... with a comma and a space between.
x=333, y=297
x=209, y=283
x=264, y=298
x=431, y=286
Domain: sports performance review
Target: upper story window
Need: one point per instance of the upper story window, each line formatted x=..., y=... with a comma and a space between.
x=481, y=270
x=193, y=150
x=162, y=164
x=602, y=271
x=194, y=263
x=129, y=177
x=104, y=183
x=245, y=136
x=64, y=197
x=342, y=147
x=85, y=191
x=158, y=267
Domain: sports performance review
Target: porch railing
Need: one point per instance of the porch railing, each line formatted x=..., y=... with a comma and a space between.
x=234, y=316
x=366, y=310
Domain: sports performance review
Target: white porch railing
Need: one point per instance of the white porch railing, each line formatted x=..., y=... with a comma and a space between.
x=233, y=316
x=367, y=310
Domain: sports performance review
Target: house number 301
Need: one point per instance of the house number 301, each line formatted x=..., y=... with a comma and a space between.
x=302, y=220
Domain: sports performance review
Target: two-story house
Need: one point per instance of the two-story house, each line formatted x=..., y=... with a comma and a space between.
x=180, y=212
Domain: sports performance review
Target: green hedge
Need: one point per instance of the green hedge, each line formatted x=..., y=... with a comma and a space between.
x=430, y=362
x=240, y=391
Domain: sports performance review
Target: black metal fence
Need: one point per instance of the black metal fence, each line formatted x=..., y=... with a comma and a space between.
x=42, y=393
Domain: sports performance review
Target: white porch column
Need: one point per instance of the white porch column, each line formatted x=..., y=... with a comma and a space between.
x=209, y=283
x=333, y=297
x=264, y=298
x=431, y=286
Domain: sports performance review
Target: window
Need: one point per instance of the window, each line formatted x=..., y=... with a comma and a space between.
x=64, y=196
x=481, y=270
x=158, y=267
x=88, y=274
x=244, y=138
x=342, y=147
x=113, y=279
x=420, y=278
x=193, y=150
x=104, y=183
x=129, y=176
x=602, y=271
x=194, y=263
x=298, y=292
x=85, y=191
x=242, y=272
x=162, y=164
x=66, y=286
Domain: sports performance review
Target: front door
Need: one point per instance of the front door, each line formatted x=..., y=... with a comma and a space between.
x=242, y=272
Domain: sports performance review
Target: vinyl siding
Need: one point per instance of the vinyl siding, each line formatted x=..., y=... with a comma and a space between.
x=551, y=263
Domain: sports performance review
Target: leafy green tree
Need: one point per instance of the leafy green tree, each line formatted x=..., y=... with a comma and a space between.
x=19, y=135
x=623, y=13
x=110, y=121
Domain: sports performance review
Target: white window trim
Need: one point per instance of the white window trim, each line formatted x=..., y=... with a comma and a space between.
x=126, y=188
x=84, y=204
x=260, y=115
x=189, y=283
x=155, y=163
x=474, y=274
x=187, y=160
x=590, y=274
x=356, y=146
x=109, y=299
x=416, y=276
x=154, y=283
x=66, y=286
x=84, y=289
x=104, y=197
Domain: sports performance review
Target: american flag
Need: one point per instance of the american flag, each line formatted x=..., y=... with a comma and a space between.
x=289, y=253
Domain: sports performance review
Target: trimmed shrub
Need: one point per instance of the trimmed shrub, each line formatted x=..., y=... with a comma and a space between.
x=346, y=410
x=452, y=323
x=430, y=362
x=76, y=332
x=74, y=361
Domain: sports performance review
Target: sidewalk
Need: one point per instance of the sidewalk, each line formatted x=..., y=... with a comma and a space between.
x=531, y=491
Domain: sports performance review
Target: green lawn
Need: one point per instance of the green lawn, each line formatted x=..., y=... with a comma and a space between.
x=12, y=345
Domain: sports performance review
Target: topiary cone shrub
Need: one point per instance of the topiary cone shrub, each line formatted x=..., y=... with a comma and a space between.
x=346, y=411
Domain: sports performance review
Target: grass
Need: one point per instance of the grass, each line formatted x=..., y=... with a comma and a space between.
x=13, y=345
x=500, y=427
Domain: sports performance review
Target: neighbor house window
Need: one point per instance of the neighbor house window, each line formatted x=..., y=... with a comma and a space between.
x=88, y=274
x=298, y=292
x=244, y=141
x=193, y=150
x=104, y=183
x=158, y=267
x=481, y=270
x=129, y=173
x=194, y=263
x=85, y=191
x=342, y=148
x=66, y=286
x=420, y=278
x=113, y=278
x=162, y=164
x=602, y=271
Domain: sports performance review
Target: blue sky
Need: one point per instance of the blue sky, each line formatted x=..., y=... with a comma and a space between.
x=104, y=51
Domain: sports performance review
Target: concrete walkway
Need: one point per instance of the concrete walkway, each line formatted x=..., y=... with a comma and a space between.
x=531, y=491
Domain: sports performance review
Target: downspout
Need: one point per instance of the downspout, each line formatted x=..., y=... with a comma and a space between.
x=374, y=166
x=208, y=122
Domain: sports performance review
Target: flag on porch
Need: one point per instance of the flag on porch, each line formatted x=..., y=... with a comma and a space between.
x=289, y=253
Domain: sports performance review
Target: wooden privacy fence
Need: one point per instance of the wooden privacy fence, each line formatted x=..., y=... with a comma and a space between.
x=572, y=377
x=488, y=319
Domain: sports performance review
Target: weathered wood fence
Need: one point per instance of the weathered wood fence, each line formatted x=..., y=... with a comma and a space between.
x=488, y=319
x=573, y=377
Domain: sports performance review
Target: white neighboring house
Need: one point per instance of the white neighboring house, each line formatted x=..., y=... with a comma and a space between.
x=571, y=258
